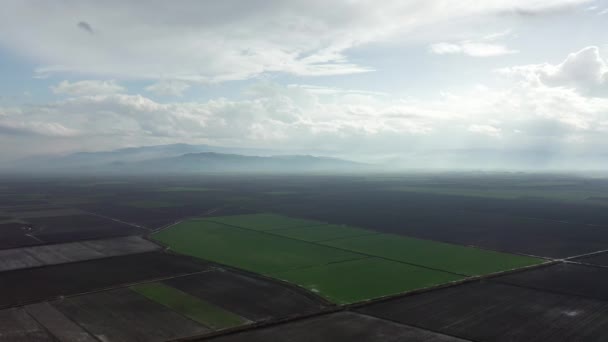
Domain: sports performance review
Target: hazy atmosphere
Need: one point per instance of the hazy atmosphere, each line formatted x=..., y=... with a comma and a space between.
x=473, y=84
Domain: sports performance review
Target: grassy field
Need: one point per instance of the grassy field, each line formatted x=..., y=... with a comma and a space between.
x=358, y=280
x=443, y=256
x=343, y=264
x=247, y=249
x=263, y=221
x=322, y=232
x=189, y=306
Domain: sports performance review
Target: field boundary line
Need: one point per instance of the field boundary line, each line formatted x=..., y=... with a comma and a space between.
x=167, y=226
x=93, y=336
x=584, y=264
x=465, y=339
x=291, y=286
x=556, y=292
x=104, y=257
x=341, y=249
x=115, y=220
x=354, y=306
x=107, y=288
x=586, y=255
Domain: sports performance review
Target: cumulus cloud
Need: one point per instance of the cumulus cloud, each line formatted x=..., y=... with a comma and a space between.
x=168, y=88
x=527, y=116
x=87, y=87
x=585, y=70
x=206, y=41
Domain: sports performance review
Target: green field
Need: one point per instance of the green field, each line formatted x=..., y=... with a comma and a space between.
x=443, y=256
x=247, y=249
x=263, y=221
x=189, y=306
x=321, y=232
x=343, y=264
x=359, y=280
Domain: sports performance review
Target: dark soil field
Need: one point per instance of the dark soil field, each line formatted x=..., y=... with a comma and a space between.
x=16, y=325
x=581, y=280
x=486, y=311
x=14, y=235
x=37, y=284
x=36, y=256
x=60, y=326
x=344, y=326
x=123, y=315
x=57, y=229
x=256, y=299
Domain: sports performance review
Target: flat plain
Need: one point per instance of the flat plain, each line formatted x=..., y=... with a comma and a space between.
x=348, y=238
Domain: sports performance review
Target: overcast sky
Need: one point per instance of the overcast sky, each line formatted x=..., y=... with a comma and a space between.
x=416, y=81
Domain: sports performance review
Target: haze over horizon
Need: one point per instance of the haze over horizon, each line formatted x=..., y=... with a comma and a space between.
x=498, y=84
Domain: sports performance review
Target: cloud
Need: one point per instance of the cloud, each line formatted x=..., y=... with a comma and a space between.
x=88, y=87
x=83, y=25
x=168, y=88
x=584, y=70
x=472, y=49
x=485, y=130
x=484, y=47
x=526, y=116
x=202, y=41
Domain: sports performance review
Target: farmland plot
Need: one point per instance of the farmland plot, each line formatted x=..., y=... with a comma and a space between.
x=587, y=281
x=17, y=325
x=338, y=327
x=251, y=297
x=124, y=315
x=31, y=285
x=487, y=311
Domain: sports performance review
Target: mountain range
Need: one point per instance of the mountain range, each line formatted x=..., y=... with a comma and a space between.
x=184, y=158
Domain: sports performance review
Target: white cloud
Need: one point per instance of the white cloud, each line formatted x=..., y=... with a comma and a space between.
x=228, y=40
x=484, y=47
x=472, y=49
x=584, y=70
x=525, y=116
x=488, y=130
x=168, y=88
x=88, y=87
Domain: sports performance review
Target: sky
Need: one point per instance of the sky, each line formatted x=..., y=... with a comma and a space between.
x=420, y=83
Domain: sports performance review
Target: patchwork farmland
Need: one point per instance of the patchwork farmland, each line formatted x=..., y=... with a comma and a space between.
x=303, y=258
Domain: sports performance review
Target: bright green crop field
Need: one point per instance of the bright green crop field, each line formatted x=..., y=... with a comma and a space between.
x=322, y=232
x=343, y=264
x=443, y=256
x=359, y=280
x=263, y=221
x=247, y=249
